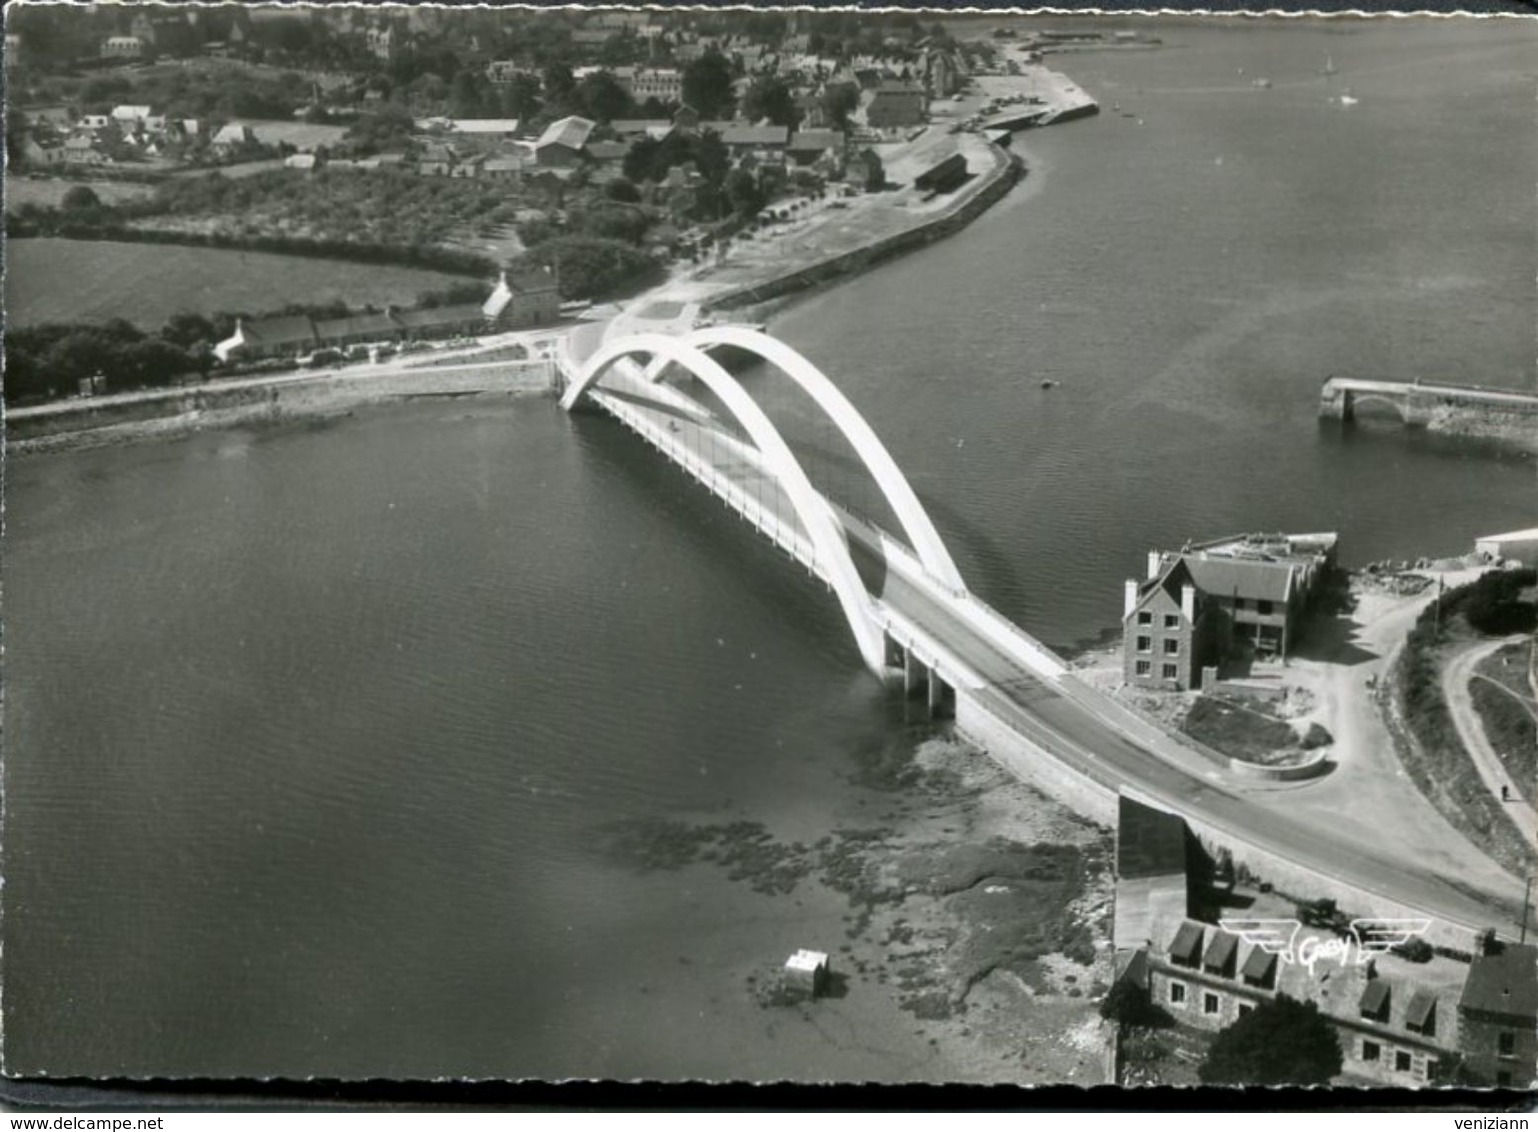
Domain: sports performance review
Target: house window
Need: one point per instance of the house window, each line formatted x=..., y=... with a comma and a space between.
x=1238, y=603
x=1263, y=606
x=1370, y=1050
x=1177, y=994
x=1401, y=1061
x=1171, y=647
x=1172, y=672
x=1145, y=644
x=1144, y=667
x=1508, y=1044
x=1209, y=1003
x=1145, y=618
x=1172, y=620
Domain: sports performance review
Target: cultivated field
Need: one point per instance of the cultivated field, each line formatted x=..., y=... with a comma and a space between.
x=51, y=280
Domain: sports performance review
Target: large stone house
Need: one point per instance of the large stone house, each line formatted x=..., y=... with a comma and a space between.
x=1246, y=592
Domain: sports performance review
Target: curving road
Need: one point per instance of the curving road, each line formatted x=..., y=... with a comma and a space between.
x=1471, y=730
x=1108, y=743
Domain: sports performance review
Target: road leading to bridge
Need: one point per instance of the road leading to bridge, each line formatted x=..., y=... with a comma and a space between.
x=1097, y=737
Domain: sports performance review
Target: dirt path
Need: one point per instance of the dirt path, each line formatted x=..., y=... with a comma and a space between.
x=1460, y=705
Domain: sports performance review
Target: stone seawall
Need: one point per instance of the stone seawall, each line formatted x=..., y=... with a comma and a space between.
x=1029, y=763
x=1098, y=802
x=1000, y=179
x=91, y=422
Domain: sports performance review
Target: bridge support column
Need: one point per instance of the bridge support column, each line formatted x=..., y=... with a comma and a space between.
x=936, y=697
x=913, y=672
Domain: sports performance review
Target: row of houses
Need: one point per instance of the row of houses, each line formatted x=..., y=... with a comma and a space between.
x=518, y=300
x=1397, y=1021
x=1200, y=603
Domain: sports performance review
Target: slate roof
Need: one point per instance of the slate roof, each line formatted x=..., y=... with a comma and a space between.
x=1187, y=944
x=1233, y=577
x=1258, y=966
x=280, y=330
x=571, y=132
x=755, y=135
x=454, y=315
x=1374, y=1002
x=1220, y=952
x=485, y=125
x=1506, y=983
x=1423, y=1004
x=1149, y=842
x=364, y=324
x=816, y=141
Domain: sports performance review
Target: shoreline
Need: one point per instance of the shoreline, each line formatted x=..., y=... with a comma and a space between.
x=803, y=272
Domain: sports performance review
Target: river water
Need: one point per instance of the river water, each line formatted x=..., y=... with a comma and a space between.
x=315, y=737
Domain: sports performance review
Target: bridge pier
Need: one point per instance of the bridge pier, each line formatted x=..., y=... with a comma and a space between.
x=920, y=681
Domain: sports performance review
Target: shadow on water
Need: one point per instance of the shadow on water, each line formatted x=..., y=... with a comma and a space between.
x=1384, y=433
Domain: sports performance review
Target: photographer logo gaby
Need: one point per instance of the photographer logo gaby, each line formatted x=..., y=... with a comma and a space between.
x=1283, y=939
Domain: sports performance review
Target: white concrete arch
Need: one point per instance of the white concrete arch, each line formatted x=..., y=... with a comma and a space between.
x=828, y=538
x=899, y=494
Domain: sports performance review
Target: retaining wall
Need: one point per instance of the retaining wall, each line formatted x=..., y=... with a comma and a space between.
x=1001, y=178
x=213, y=404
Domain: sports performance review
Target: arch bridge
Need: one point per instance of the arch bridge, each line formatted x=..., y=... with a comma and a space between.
x=914, y=619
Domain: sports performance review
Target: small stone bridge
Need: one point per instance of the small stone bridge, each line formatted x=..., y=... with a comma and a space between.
x=1419, y=403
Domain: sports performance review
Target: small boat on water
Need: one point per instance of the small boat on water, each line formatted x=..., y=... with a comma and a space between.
x=1048, y=383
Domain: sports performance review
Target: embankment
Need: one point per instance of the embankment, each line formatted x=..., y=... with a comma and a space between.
x=1098, y=802
x=91, y=423
x=998, y=181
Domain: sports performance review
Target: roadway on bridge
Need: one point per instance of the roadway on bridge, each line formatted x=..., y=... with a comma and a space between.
x=1103, y=739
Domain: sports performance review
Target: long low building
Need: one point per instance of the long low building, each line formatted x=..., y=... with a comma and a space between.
x=520, y=299
x=1513, y=546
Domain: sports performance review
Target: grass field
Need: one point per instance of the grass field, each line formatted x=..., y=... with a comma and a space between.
x=48, y=193
x=50, y=280
x=1508, y=715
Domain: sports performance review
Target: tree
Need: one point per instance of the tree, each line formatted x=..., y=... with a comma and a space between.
x=707, y=84
x=1283, y=1042
x=80, y=197
x=559, y=83
x=1130, y=1005
x=622, y=189
x=711, y=158
x=642, y=161
x=838, y=102
x=520, y=97
x=743, y=191
x=770, y=98
x=602, y=97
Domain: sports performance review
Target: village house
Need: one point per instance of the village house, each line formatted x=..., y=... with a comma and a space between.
x=122, y=47
x=895, y=105
x=563, y=141
x=233, y=136
x=808, y=147
x=523, y=299
x=1247, y=592
x=281, y=336
x=742, y=138
x=665, y=84
x=1398, y=1021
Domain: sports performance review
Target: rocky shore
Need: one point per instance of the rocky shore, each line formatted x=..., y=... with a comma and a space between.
x=975, y=904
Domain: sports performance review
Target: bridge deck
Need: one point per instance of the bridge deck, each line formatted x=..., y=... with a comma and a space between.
x=1023, y=684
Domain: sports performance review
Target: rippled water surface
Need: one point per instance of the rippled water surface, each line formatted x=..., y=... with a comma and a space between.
x=313, y=737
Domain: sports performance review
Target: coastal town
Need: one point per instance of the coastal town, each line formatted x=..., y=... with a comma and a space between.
x=1285, y=802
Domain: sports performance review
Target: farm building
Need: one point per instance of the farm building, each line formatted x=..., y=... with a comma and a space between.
x=563, y=141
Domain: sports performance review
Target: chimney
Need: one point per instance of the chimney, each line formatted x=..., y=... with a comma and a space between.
x=1129, y=602
x=1188, y=602
x=1153, y=563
